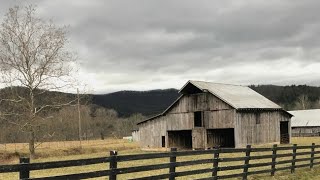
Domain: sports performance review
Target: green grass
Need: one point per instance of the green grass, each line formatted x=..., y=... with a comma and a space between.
x=102, y=148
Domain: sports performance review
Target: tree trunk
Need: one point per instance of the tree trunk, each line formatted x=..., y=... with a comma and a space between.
x=31, y=144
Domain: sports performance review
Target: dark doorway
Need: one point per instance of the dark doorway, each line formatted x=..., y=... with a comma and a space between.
x=284, y=132
x=163, y=141
x=220, y=137
x=198, y=119
x=180, y=139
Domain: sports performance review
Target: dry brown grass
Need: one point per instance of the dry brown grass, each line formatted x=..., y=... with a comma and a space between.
x=101, y=148
x=58, y=150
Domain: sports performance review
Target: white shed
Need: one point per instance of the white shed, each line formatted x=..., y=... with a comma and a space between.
x=305, y=122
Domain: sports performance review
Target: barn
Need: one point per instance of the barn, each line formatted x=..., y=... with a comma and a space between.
x=305, y=122
x=212, y=114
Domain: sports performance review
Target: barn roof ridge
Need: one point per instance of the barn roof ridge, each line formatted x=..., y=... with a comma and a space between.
x=194, y=83
x=211, y=82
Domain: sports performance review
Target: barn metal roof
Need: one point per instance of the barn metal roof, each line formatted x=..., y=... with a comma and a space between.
x=239, y=97
x=305, y=118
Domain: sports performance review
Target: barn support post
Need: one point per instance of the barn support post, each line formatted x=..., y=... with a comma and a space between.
x=274, y=158
x=173, y=160
x=24, y=171
x=294, y=156
x=246, y=163
x=113, y=165
x=312, y=155
x=215, y=162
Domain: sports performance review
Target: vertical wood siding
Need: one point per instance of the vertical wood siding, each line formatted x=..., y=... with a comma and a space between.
x=247, y=131
x=305, y=131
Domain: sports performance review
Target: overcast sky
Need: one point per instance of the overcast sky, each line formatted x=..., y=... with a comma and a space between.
x=158, y=44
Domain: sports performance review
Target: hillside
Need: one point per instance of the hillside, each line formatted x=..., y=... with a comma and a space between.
x=130, y=102
x=154, y=102
x=291, y=97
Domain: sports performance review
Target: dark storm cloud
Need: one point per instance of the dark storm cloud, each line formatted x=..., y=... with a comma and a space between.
x=158, y=44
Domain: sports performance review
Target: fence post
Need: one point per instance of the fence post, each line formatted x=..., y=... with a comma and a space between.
x=274, y=158
x=24, y=171
x=246, y=163
x=215, y=162
x=173, y=160
x=312, y=155
x=113, y=165
x=293, y=164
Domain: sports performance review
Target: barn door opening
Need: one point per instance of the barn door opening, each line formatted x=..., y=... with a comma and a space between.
x=284, y=132
x=180, y=139
x=220, y=137
x=163, y=141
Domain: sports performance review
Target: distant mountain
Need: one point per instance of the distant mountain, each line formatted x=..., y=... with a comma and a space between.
x=129, y=102
x=154, y=102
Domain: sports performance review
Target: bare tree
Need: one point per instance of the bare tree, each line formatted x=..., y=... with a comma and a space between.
x=33, y=61
x=303, y=102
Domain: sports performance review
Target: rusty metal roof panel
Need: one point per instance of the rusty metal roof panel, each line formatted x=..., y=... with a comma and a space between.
x=239, y=97
x=305, y=118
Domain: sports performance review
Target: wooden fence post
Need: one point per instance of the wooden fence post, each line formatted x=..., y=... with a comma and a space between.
x=312, y=155
x=294, y=155
x=24, y=171
x=173, y=160
x=274, y=158
x=246, y=163
x=113, y=165
x=215, y=162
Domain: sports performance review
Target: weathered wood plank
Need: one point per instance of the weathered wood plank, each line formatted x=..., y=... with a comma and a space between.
x=54, y=164
x=85, y=175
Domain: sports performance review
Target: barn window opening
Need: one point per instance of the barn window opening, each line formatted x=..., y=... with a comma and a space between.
x=258, y=121
x=163, y=141
x=198, y=119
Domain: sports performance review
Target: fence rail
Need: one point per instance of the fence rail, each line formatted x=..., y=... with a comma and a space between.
x=113, y=171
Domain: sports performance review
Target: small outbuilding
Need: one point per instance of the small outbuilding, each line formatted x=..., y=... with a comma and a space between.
x=212, y=114
x=305, y=123
x=135, y=135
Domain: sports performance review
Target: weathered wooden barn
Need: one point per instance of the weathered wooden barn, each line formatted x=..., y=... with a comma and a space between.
x=212, y=114
x=305, y=122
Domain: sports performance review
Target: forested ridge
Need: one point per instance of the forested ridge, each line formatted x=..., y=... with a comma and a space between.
x=292, y=97
x=116, y=114
x=152, y=102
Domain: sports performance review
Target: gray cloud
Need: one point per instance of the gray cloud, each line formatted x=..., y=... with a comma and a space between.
x=159, y=44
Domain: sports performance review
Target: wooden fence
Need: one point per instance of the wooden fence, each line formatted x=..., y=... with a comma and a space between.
x=272, y=155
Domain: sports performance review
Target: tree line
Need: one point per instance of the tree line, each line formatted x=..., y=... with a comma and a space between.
x=294, y=97
x=63, y=125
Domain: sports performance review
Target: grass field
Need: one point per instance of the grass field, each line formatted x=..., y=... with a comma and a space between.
x=98, y=148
